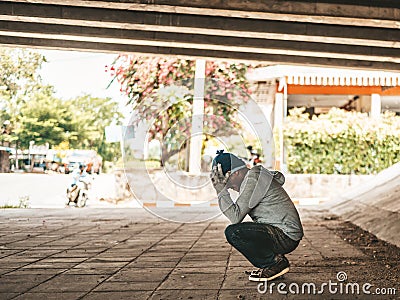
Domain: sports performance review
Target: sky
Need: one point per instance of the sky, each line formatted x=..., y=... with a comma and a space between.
x=74, y=73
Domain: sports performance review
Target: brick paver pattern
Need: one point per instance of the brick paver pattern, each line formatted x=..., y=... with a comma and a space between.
x=130, y=254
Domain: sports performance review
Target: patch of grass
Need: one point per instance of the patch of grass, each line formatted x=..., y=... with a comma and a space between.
x=8, y=206
x=23, y=203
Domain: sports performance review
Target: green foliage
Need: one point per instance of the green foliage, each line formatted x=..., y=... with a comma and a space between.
x=44, y=119
x=18, y=80
x=90, y=117
x=18, y=71
x=35, y=114
x=341, y=142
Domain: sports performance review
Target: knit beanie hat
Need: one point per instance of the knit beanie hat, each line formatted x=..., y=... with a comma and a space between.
x=228, y=161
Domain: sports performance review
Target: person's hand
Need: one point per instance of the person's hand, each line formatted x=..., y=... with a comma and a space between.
x=218, y=178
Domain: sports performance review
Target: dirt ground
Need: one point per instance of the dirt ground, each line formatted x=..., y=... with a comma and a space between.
x=384, y=257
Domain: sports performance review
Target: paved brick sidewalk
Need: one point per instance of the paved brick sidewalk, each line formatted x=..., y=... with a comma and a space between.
x=130, y=254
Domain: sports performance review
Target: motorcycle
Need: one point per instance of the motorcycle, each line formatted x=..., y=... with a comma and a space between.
x=79, y=193
x=254, y=158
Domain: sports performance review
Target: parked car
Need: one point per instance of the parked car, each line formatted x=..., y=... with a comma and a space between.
x=90, y=158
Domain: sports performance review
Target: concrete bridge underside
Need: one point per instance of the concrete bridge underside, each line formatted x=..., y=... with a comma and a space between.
x=356, y=34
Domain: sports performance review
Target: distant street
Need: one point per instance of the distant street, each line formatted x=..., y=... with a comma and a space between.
x=48, y=190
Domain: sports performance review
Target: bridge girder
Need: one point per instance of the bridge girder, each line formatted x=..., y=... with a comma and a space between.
x=355, y=34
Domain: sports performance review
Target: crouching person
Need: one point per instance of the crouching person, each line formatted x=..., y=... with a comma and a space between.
x=276, y=228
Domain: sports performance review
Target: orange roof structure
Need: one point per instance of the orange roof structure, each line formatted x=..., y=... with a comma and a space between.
x=317, y=80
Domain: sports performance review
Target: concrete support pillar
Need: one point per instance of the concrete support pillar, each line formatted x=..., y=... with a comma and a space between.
x=280, y=113
x=278, y=123
x=196, y=138
x=146, y=147
x=4, y=161
x=376, y=105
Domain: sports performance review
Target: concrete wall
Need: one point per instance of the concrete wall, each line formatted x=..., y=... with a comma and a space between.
x=321, y=185
x=159, y=187
x=298, y=186
x=373, y=205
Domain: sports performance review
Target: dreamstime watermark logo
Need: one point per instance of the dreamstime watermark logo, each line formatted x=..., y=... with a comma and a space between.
x=338, y=287
x=226, y=118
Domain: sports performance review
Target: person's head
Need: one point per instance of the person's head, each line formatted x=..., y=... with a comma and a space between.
x=233, y=164
x=81, y=167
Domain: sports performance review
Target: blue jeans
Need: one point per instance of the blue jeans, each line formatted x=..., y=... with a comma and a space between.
x=259, y=243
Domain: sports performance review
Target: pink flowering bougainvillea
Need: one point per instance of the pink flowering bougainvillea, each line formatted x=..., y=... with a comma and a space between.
x=226, y=88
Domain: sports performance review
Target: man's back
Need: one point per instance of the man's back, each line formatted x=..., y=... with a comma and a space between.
x=275, y=207
x=264, y=199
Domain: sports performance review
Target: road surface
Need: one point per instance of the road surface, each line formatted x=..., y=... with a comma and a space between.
x=48, y=190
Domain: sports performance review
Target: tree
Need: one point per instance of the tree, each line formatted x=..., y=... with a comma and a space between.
x=44, y=119
x=33, y=113
x=19, y=71
x=142, y=77
x=76, y=123
x=90, y=117
x=18, y=79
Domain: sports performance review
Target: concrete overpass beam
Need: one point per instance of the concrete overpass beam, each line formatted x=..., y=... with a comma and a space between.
x=362, y=34
x=351, y=12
